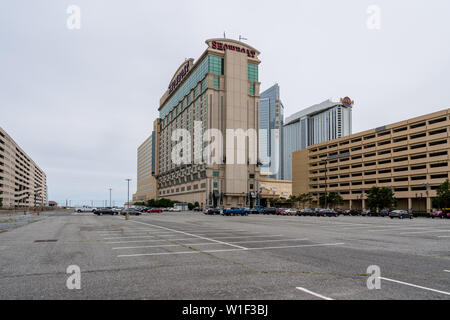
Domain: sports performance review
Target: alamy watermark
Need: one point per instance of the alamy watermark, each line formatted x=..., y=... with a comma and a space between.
x=373, y=21
x=73, y=21
x=74, y=280
x=374, y=280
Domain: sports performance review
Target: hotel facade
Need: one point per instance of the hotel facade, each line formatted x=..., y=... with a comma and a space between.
x=218, y=91
x=411, y=157
x=22, y=182
x=146, y=182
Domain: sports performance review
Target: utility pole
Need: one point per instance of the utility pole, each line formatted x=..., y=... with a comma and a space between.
x=128, y=193
x=110, y=197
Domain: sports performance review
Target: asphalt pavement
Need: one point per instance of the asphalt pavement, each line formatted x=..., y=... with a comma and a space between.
x=189, y=255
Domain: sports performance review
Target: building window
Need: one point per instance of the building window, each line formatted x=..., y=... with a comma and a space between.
x=251, y=186
x=216, y=65
x=252, y=72
x=216, y=174
x=252, y=89
x=215, y=185
x=216, y=82
x=251, y=176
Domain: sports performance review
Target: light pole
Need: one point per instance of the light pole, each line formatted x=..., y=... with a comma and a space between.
x=128, y=193
x=110, y=197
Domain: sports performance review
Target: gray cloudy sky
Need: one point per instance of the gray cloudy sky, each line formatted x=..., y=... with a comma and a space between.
x=80, y=102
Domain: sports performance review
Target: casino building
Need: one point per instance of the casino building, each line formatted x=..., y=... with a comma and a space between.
x=218, y=91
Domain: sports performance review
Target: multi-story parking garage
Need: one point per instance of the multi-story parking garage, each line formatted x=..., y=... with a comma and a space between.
x=22, y=182
x=411, y=157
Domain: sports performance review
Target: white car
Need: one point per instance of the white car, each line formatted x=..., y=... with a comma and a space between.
x=176, y=209
x=290, y=212
x=85, y=209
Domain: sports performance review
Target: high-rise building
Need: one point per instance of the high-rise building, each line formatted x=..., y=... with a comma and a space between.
x=271, y=132
x=219, y=91
x=319, y=123
x=22, y=182
x=146, y=182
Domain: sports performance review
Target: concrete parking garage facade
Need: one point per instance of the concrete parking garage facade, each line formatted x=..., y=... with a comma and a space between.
x=411, y=157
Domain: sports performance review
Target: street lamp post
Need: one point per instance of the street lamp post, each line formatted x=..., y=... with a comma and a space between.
x=128, y=193
x=110, y=197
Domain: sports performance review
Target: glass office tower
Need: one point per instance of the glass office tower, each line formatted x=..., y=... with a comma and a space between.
x=319, y=123
x=271, y=134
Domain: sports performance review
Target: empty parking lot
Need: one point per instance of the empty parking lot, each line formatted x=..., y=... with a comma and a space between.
x=192, y=256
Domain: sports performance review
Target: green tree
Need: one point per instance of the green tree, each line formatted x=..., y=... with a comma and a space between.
x=380, y=198
x=442, y=199
x=333, y=199
x=304, y=198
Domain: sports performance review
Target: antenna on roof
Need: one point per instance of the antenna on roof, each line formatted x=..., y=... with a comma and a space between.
x=242, y=38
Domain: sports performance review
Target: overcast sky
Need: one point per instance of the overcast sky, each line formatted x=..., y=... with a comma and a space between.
x=80, y=102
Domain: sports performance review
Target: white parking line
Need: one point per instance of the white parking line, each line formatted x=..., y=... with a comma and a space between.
x=234, y=237
x=227, y=250
x=446, y=270
x=313, y=293
x=206, y=243
x=188, y=234
x=430, y=231
x=443, y=236
x=416, y=286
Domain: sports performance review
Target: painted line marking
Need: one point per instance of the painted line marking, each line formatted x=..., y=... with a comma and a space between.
x=446, y=270
x=188, y=234
x=228, y=250
x=443, y=236
x=278, y=235
x=313, y=293
x=416, y=286
x=207, y=243
x=431, y=231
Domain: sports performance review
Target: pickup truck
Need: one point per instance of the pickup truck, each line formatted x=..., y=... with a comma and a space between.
x=236, y=211
x=84, y=209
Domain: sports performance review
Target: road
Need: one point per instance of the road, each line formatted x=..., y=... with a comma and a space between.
x=192, y=256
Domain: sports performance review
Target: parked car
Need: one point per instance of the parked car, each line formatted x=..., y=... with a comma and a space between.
x=212, y=211
x=385, y=212
x=280, y=211
x=369, y=213
x=437, y=214
x=350, y=212
x=197, y=209
x=103, y=211
x=84, y=209
x=269, y=211
x=130, y=211
x=305, y=212
x=236, y=211
x=401, y=214
x=155, y=210
x=328, y=213
x=257, y=210
x=290, y=212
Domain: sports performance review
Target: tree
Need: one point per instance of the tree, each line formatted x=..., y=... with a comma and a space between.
x=380, y=198
x=304, y=198
x=442, y=199
x=333, y=199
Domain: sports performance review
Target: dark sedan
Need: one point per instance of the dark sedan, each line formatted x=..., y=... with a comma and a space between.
x=401, y=214
x=131, y=212
x=103, y=211
x=305, y=212
x=269, y=211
